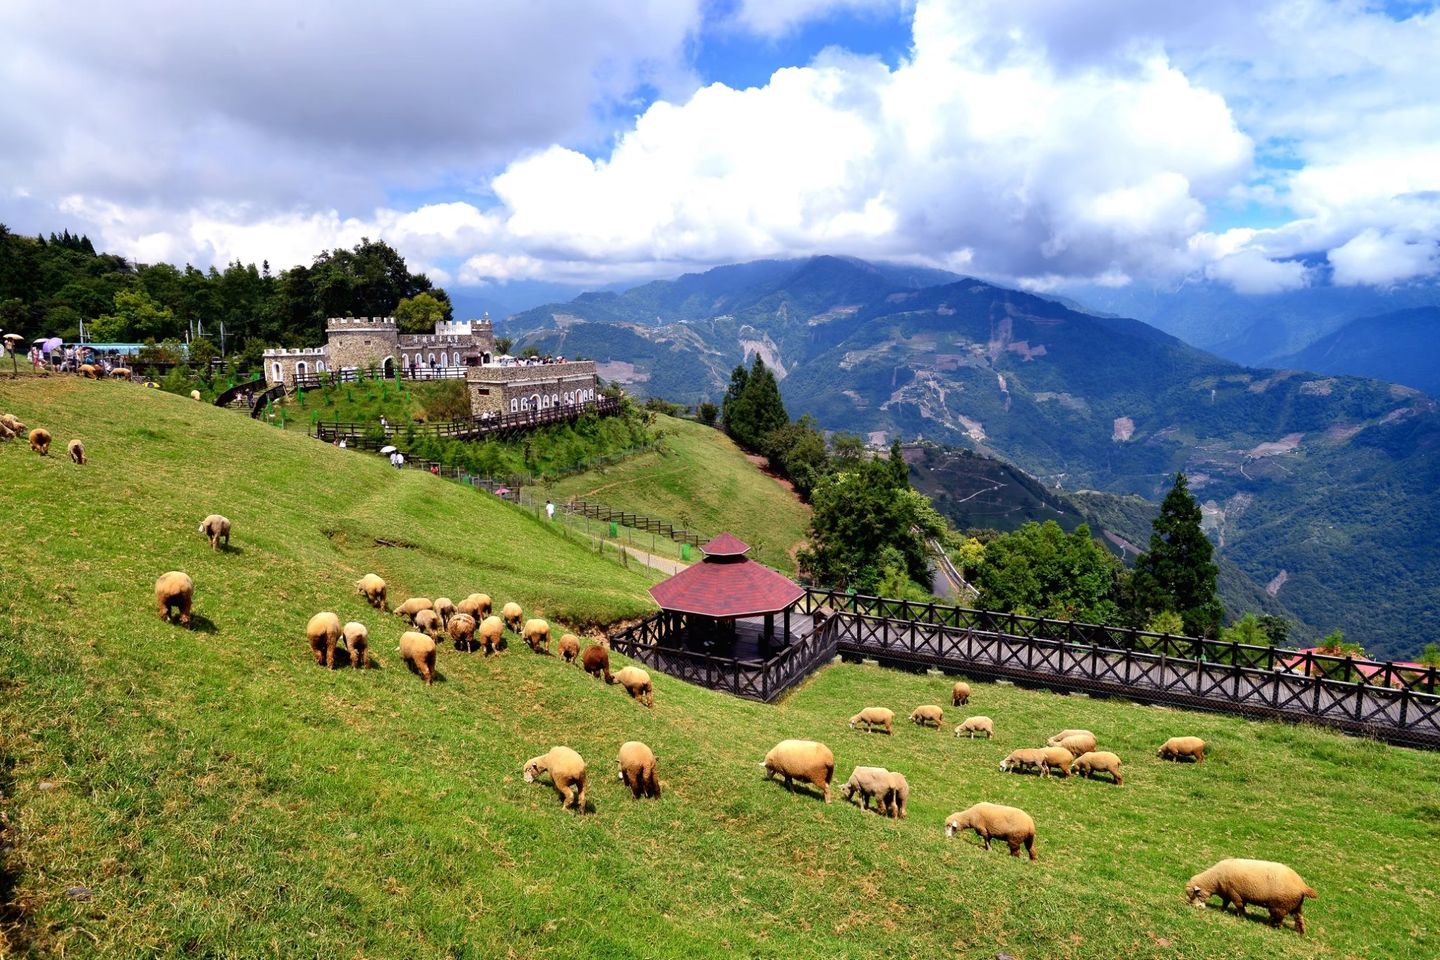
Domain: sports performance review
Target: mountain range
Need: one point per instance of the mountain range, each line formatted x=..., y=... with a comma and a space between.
x=1319, y=487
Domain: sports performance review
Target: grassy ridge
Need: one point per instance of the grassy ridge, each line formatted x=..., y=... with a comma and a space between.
x=704, y=480
x=219, y=795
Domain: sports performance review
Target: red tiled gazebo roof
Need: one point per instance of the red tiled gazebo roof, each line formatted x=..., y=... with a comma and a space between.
x=727, y=584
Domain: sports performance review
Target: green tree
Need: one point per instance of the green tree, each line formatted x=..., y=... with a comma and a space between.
x=1166, y=621
x=201, y=352
x=136, y=318
x=733, y=410
x=419, y=314
x=1040, y=570
x=1247, y=629
x=708, y=413
x=797, y=451
x=503, y=345
x=1430, y=656
x=1277, y=629
x=752, y=407
x=1178, y=572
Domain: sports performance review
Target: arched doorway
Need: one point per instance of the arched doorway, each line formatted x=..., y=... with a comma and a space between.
x=276, y=375
x=301, y=369
x=387, y=369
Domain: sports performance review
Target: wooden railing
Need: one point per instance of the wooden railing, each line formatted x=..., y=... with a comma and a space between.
x=605, y=514
x=226, y=397
x=366, y=436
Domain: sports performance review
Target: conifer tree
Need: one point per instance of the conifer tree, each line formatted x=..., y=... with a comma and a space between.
x=1178, y=573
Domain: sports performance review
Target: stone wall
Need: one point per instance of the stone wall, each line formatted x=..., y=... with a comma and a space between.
x=285, y=365
x=361, y=342
x=517, y=389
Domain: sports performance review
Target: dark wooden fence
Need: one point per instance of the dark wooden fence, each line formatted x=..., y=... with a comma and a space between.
x=226, y=397
x=599, y=511
x=369, y=436
x=1388, y=701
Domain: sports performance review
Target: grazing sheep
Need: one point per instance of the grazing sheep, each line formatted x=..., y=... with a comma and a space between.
x=492, y=631
x=410, y=607
x=570, y=648
x=637, y=683
x=874, y=717
x=567, y=772
x=1078, y=744
x=427, y=622
x=477, y=605
x=1177, y=748
x=6, y=433
x=215, y=527
x=120, y=373
x=974, y=725
x=462, y=631
x=77, y=452
x=637, y=769
x=89, y=371
x=1273, y=886
x=596, y=660
x=40, y=441
x=444, y=609
x=960, y=694
x=801, y=760
x=372, y=588
x=357, y=641
x=898, y=796
x=512, y=614
x=177, y=590
x=867, y=782
x=927, y=715
x=1065, y=734
x=323, y=632
x=1010, y=824
x=418, y=652
x=1089, y=764
x=13, y=422
x=194, y=394
x=1057, y=761
x=1021, y=760
x=537, y=635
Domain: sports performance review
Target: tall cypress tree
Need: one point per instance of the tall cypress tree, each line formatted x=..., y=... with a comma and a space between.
x=766, y=407
x=1178, y=573
x=733, y=408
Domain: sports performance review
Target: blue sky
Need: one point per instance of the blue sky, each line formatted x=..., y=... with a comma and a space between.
x=1037, y=142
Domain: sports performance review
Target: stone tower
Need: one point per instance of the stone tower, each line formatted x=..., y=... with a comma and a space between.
x=362, y=342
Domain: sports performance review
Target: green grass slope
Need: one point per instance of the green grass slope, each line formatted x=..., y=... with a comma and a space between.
x=702, y=479
x=216, y=794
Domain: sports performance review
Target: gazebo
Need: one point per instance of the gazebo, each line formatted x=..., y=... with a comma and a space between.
x=708, y=604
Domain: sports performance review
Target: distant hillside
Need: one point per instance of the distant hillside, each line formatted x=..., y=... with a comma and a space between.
x=1401, y=347
x=1314, y=485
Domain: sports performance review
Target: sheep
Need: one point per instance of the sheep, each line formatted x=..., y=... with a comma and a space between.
x=596, y=661
x=120, y=373
x=357, y=640
x=77, y=452
x=477, y=605
x=462, y=631
x=974, y=725
x=1089, y=764
x=40, y=441
x=960, y=694
x=215, y=527
x=372, y=588
x=898, y=796
x=492, y=631
x=637, y=683
x=194, y=394
x=444, y=609
x=410, y=607
x=418, y=652
x=89, y=371
x=1057, y=761
x=5, y=432
x=867, y=782
x=801, y=760
x=537, y=635
x=1020, y=760
x=1177, y=748
x=567, y=772
x=427, y=622
x=512, y=614
x=177, y=590
x=1065, y=734
x=1010, y=824
x=1079, y=744
x=928, y=714
x=637, y=769
x=570, y=648
x=1273, y=886
x=13, y=422
x=874, y=717
x=323, y=632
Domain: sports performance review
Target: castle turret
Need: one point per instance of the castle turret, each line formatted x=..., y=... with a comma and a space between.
x=362, y=342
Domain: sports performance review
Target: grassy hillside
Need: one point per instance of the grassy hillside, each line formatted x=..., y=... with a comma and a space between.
x=702, y=481
x=212, y=793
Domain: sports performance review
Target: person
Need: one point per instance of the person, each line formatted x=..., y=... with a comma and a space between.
x=549, y=510
x=35, y=359
x=435, y=469
x=342, y=443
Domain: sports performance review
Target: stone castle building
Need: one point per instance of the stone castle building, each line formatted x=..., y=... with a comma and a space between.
x=459, y=349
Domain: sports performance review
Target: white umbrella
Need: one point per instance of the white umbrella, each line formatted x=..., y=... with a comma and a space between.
x=387, y=449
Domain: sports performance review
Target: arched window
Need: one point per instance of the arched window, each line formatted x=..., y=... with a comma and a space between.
x=485, y=359
x=554, y=399
x=514, y=406
x=432, y=359
x=444, y=360
x=300, y=369
x=319, y=366
x=277, y=376
x=455, y=358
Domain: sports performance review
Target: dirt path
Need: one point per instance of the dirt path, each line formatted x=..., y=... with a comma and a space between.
x=763, y=466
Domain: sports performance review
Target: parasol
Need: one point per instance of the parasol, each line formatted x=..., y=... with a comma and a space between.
x=387, y=449
x=11, y=339
x=50, y=344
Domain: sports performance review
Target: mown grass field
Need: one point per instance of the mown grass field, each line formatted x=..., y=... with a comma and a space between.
x=216, y=794
x=702, y=480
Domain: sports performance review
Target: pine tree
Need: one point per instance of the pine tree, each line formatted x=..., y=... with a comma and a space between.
x=766, y=407
x=1178, y=573
x=732, y=406
x=899, y=469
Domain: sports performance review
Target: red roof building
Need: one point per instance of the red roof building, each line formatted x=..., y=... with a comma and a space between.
x=727, y=585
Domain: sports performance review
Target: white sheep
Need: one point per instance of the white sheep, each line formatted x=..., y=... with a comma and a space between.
x=1273, y=886
x=804, y=760
x=1010, y=824
x=357, y=641
x=928, y=715
x=567, y=774
x=216, y=528
x=1089, y=764
x=974, y=725
x=873, y=717
x=1178, y=748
